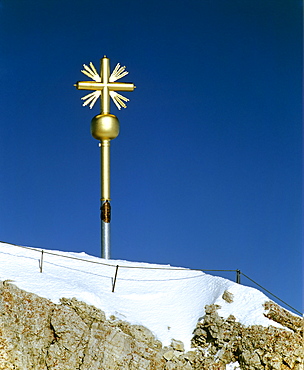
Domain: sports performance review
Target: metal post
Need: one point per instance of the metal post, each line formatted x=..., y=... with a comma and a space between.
x=41, y=262
x=105, y=198
x=238, y=276
x=114, y=281
x=105, y=240
x=105, y=169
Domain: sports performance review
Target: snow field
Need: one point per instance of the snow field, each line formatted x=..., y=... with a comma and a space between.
x=167, y=300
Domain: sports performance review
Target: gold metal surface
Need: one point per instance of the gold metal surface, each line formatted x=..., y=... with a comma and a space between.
x=104, y=74
x=105, y=169
x=104, y=85
x=105, y=127
x=90, y=85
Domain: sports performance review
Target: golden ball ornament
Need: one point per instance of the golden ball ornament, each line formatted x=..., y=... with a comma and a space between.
x=105, y=126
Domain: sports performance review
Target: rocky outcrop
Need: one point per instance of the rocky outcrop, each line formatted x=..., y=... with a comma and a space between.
x=285, y=318
x=38, y=334
x=221, y=342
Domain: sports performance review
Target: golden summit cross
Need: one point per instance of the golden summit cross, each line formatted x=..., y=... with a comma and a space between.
x=104, y=85
x=105, y=127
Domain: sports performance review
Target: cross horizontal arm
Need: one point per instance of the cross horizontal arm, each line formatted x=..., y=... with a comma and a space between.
x=112, y=86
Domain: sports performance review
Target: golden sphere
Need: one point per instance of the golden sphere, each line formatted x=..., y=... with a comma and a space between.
x=105, y=126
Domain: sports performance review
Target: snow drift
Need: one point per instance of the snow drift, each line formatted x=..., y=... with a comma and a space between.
x=167, y=300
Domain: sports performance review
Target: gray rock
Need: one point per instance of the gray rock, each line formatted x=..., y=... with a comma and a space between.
x=38, y=334
x=227, y=296
x=177, y=345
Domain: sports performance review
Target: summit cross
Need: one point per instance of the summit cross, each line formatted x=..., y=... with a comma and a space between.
x=105, y=127
x=104, y=85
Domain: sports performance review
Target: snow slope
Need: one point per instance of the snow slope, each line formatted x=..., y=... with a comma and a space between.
x=167, y=300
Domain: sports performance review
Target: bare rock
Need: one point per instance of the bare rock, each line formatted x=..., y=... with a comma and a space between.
x=254, y=347
x=284, y=317
x=25, y=331
x=177, y=345
x=38, y=334
x=227, y=296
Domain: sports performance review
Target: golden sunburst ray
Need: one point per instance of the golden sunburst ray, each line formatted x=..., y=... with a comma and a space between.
x=91, y=98
x=118, y=99
x=118, y=72
x=91, y=72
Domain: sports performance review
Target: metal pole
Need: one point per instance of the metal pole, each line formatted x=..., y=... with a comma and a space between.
x=238, y=276
x=115, y=277
x=105, y=199
x=41, y=261
x=105, y=240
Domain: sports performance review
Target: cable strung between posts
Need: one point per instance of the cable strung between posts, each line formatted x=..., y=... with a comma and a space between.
x=155, y=268
x=300, y=313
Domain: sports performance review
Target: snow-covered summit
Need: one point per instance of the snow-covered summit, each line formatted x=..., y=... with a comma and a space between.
x=167, y=300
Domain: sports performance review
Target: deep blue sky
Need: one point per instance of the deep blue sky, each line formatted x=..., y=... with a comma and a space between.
x=206, y=172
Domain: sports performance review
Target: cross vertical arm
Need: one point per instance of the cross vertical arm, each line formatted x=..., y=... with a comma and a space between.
x=105, y=74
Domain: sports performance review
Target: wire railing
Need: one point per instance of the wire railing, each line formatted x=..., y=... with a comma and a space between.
x=117, y=267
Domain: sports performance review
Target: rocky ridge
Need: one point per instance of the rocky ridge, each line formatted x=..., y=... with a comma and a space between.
x=36, y=333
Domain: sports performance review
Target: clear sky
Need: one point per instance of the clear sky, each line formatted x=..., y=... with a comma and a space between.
x=206, y=171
